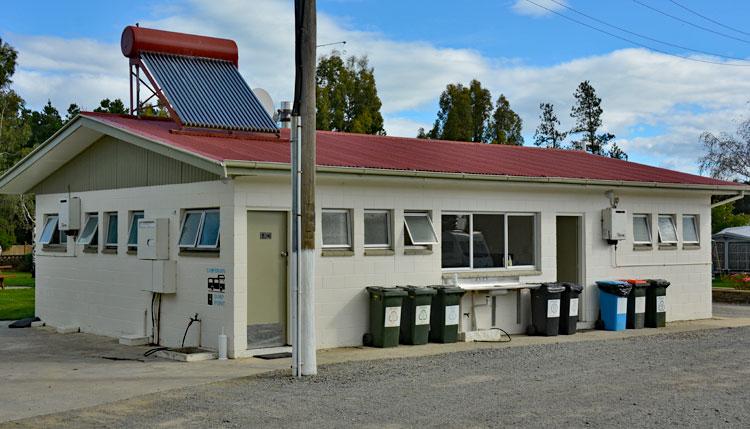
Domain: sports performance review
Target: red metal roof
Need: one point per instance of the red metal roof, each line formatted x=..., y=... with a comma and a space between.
x=398, y=153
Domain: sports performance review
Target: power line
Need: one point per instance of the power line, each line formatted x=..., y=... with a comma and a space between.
x=625, y=30
x=685, y=21
x=684, y=57
x=709, y=19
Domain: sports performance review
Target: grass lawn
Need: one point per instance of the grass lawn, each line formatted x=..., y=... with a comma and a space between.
x=16, y=304
x=722, y=283
x=20, y=279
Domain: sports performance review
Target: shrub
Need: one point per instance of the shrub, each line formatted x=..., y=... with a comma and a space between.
x=741, y=281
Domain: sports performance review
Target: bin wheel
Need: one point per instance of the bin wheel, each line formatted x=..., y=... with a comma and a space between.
x=531, y=330
x=367, y=339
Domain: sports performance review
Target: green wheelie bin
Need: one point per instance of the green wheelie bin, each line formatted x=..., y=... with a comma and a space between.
x=636, y=311
x=415, y=318
x=445, y=315
x=385, y=316
x=656, y=303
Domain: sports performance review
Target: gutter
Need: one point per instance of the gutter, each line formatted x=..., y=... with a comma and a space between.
x=739, y=196
x=238, y=168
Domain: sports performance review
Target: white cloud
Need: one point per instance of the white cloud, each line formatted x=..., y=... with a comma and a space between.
x=524, y=7
x=639, y=88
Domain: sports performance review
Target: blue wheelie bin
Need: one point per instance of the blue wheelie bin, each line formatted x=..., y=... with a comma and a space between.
x=613, y=304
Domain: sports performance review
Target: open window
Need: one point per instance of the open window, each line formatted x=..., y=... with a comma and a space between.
x=133, y=229
x=642, y=229
x=337, y=229
x=690, y=229
x=667, y=230
x=378, y=229
x=90, y=234
x=200, y=230
x=110, y=240
x=51, y=234
x=419, y=229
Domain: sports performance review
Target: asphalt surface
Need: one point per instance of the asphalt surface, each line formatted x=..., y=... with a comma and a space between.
x=731, y=310
x=689, y=379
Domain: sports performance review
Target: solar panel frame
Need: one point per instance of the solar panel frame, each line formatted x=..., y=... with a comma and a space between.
x=208, y=93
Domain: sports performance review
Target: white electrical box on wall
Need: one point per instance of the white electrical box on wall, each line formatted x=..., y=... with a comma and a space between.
x=69, y=214
x=162, y=277
x=614, y=224
x=153, y=239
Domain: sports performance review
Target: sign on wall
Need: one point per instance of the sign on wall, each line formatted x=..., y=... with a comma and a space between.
x=216, y=283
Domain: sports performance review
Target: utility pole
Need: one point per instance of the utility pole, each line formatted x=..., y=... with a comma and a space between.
x=304, y=107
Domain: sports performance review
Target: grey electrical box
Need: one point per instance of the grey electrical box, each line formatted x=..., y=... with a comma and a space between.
x=161, y=277
x=69, y=214
x=153, y=239
x=614, y=224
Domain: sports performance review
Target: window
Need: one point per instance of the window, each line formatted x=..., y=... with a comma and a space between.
x=337, y=229
x=51, y=233
x=641, y=229
x=90, y=236
x=378, y=229
x=477, y=241
x=111, y=239
x=419, y=229
x=200, y=229
x=690, y=229
x=133, y=233
x=667, y=230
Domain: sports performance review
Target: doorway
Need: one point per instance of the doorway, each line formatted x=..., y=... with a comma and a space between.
x=569, y=249
x=266, y=279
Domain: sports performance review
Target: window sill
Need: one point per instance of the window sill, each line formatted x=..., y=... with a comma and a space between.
x=668, y=246
x=417, y=251
x=491, y=273
x=56, y=248
x=200, y=253
x=132, y=251
x=691, y=246
x=379, y=252
x=642, y=247
x=90, y=249
x=109, y=251
x=337, y=252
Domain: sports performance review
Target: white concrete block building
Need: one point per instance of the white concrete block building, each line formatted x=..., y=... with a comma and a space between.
x=391, y=211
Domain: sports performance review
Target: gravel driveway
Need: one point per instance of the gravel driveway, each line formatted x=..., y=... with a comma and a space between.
x=695, y=379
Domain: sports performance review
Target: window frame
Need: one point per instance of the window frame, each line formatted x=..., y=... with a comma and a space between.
x=94, y=233
x=674, y=227
x=535, y=236
x=55, y=228
x=411, y=237
x=388, y=228
x=349, y=227
x=199, y=231
x=107, y=243
x=695, y=222
x=647, y=217
x=133, y=226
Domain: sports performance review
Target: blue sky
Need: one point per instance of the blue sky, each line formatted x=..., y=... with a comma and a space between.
x=657, y=105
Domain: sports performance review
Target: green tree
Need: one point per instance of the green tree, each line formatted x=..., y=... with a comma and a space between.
x=725, y=216
x=347, y=96
x=463, y=113
x=481, y=108
x=506, y=125
x=587, y=113
x=43, y=124
x=547, y=133
x=73, y=111
x=112, y=106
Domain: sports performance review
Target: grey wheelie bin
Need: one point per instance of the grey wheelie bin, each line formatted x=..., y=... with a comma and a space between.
x=545, y=309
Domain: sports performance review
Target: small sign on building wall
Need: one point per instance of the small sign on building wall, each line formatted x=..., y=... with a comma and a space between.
x=216, y=284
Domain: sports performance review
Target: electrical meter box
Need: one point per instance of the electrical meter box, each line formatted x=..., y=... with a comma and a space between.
x=161, y=277
x=69, y=214
x=614, y=224
x=153, y=239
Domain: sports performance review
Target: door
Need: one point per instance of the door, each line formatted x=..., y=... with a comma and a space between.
x=266, y=279
x=569, y=249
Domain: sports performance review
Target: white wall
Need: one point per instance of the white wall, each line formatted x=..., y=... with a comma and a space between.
x=341, y=281
x=102, y=293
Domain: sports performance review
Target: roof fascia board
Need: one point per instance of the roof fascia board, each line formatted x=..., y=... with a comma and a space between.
x=156, y=146
x=240, y=168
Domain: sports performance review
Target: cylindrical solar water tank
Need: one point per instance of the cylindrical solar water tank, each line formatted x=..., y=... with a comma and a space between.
x=138, y=39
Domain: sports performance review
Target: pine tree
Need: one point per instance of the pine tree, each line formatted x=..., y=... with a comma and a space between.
x=547, y=133
x=506, y=125
x=587, y=113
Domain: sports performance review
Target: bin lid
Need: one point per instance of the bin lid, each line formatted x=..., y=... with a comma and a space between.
x=418, y=290
x=658, y=283
x=636, y=282
x=386, y=291
x=615, y=287
x=448, y=290
x=551, y=287
x=575, y=287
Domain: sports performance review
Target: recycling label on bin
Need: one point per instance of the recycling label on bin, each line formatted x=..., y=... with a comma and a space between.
x=451, y=315
x=622, y=305
x=573, y=307
x=640, y=304
x=423, y=315
x=392, y=317
x=553, y=308
x=661, y=304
